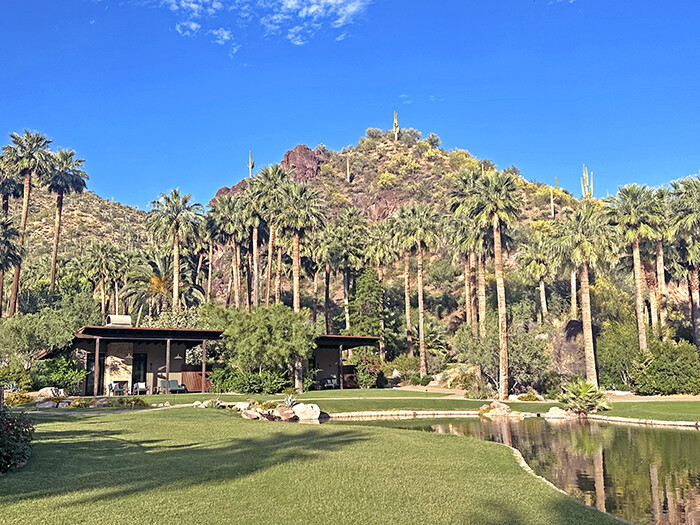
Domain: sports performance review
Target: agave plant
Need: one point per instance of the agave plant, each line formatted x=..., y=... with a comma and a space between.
x=290, y=400
x=583, y=397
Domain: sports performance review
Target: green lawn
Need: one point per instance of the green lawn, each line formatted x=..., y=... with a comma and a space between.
x=210, y=466
x=666, y=410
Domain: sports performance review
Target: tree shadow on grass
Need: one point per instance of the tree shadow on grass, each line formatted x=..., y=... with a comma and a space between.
x=117, y=464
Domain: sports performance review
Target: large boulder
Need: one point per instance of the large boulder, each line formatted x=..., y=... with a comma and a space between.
x=306, y=411
x=287, y=415
x=560, y=413
x=250, y=414
x=64, y=404
x=46, y=404
x=50, y=391
x=498, y=410
x=99, y=403
x=242, y=405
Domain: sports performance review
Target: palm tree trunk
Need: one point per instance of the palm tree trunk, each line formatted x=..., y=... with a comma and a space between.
x=346, y=296
x=102, y=295
x=248, y=280
x=573, y=313
x=116, y=297
x=56, y=234
x=473, y=298
x=14, y=294
x=327, y=298
x=421, y=312
x=543, y=300
x=200, y=261
x=502, y=321
x=382, y=342
x=270, y=253
x=694, y=283
x=467, y=292
x=210, y=264
x=639, y=296
x=278, y=277
x=256, y=267
x=653, y=307
x=176, y=268
x=296, y=270
x=5, y=206
x=2, y=291
x=237, y=279
x=407, y=300
x=482, y=296
x=314, y=310
x=591, y=374
x=661, y=282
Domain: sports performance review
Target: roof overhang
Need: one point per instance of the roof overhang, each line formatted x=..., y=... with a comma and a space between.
x=133, y=334
x=346, y=341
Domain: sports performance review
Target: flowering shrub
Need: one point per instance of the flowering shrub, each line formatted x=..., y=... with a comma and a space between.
x=16, y=433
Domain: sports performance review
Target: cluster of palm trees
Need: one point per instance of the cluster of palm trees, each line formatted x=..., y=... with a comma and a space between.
x=25, y=162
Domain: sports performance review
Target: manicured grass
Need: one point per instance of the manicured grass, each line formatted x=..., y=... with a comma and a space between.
x=209, y=466
x=665, y=410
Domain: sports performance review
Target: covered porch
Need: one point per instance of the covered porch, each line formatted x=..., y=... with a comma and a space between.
x=152, y=357
x=328, y=358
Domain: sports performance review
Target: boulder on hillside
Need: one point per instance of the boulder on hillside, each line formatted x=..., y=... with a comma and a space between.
x=302, y=162
x=307, y=411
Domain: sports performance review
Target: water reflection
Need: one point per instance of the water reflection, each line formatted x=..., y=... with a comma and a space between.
x=643, y=475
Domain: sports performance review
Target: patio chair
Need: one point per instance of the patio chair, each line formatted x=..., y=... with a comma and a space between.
x=116, y=389
x=140, y=388
x=173, y=388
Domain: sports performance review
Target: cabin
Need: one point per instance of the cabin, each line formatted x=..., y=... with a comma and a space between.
x=123, y=357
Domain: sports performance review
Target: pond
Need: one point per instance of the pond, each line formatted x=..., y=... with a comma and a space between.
x=641, y=474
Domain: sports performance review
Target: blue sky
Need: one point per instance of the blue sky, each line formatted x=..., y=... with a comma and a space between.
x=158, y=94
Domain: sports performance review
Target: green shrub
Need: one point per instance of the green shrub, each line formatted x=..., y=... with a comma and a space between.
x=479, y=388
x=244, y=382
x=369, y=370
x=308, y=379
x=529, y=396
x=60, y=372
x=404, y=364
x=425, y=380
x=82, y=402
x=583, y=397
x=16, y=433
x=15, y=373
x=123, y=401
x=668, y=368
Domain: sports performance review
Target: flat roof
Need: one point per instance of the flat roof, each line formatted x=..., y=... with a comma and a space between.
x=131, y=333
x=346, y=341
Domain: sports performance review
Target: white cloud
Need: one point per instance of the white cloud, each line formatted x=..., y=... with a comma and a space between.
x=187, y=28
x=221, y=35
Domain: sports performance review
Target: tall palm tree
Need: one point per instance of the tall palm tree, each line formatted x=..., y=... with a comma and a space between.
x=664, y=233
x=633, y=211
x=537, y=260
x=65, y=177
x=586, y=239
x=496, y=203
x=268, y=188
x=10, y=187
x=423, y=225
x=301, y=211
x=28, y=157
x=323, y=255
x=175, y=217
x=10, y=252
x=380, y=252
x=102, y=256
x=228, y=213
x=212, y=236
x=252, y=204
x=401, y=243
x=687, y=229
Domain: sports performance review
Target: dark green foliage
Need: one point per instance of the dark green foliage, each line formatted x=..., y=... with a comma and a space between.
x=16, y=433
x=442, y=274
x=617, y=351
x=60, y=372
x=369, y=369
x=249, y=382
x=404, y=364
x=669, y=368
x=366, y=305
x=15, y=373
x=123, y=401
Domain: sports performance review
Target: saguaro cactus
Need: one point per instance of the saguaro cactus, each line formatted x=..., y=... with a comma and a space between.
x=348, y=175
x=586, y=183
x=251, y=164
x=396, y=126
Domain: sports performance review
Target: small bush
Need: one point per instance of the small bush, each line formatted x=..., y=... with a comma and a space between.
x=15, y=373
x=123, y=401
x=60, y=372
x=425, y=380
x=529, y=396
x=479, y=388
x=16, y=433
x=17, y=398
x=404, y=364
x=583, y=397
x=236, y=380
x=82, y=402
x=369, y=370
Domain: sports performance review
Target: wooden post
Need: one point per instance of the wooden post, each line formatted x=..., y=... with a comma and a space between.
x=204, y=363
x=167, y=366
x=96, y=372
x=340, y=366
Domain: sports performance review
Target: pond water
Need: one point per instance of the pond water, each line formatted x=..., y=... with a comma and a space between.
x=641, y=474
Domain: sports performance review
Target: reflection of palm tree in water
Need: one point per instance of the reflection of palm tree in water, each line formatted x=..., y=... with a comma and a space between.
x=599, y=479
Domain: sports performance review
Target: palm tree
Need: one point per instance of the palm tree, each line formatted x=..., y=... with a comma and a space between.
x=300, y=212
x=268, y=188
x=102, y=257
x=537, y=261
x=400, y=231
x=423, y=226
x=496, y=203
x=9, y=185
x=687, y=229
x=66, y=176
x=27, y=157
x=228, y=213
x=380, y=252
x=174, y=216
x=664, y=232
x=632, y=212
x=252, y=204
x=10, y=252
x=586, y=239
x=212, y=234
